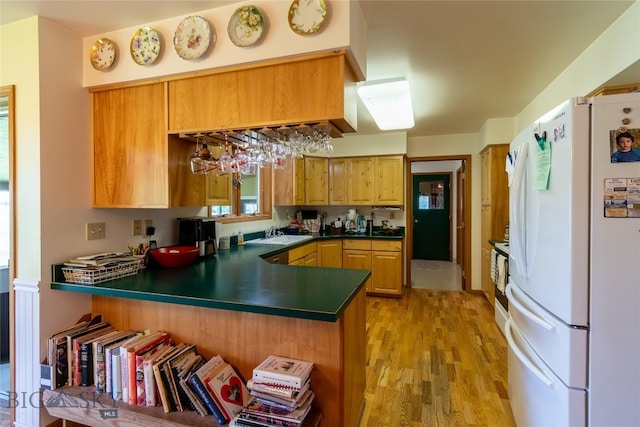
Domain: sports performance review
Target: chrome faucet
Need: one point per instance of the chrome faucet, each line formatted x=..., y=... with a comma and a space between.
x=270, y=232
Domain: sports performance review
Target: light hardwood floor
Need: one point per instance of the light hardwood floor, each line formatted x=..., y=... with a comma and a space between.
x=435, y=358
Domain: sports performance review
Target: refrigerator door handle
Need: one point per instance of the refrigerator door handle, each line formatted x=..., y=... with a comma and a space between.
x=515, y=210
x=526, y=312
x=523, y=357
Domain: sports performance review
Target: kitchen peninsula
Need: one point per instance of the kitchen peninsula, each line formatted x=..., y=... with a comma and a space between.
x=239, y=306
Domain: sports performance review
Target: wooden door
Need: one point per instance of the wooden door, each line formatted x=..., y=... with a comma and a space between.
x=432, y=216
x=460, y=222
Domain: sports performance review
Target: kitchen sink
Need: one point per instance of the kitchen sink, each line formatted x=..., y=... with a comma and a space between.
x=279, y=240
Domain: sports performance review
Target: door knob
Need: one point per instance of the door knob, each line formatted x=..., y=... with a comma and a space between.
x=415, y=220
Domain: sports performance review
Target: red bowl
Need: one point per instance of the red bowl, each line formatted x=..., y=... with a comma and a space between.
x=175, y=256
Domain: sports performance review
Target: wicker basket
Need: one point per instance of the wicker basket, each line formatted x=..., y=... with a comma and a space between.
x=91, y=276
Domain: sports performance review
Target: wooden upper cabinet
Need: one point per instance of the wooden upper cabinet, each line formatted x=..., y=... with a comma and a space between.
x=338, y=179
x=361, y=176
x=297, y=90
x=135, y=163
x=316, y=175
x=288, y=184
x=389, y=180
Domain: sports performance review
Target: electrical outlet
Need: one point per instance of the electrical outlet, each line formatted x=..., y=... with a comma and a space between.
x=137, y=227
x=95, y=230
x=148, y=223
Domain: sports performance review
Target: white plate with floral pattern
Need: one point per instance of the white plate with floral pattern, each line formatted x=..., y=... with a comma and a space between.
x=192, y=37
x=145, y=46
x=103, y=53
x=246, y=26
x=307, y=16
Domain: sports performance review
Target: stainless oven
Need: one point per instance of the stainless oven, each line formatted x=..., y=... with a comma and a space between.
x=500, y=275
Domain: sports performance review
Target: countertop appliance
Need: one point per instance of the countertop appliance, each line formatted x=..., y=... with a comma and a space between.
x=199, y=232
x=574, y=267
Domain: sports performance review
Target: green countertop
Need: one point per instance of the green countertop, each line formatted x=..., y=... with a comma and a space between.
x=239, y=279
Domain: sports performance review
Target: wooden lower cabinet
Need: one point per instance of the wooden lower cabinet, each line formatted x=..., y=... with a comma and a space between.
x=329, y=253
x=386, y=267
x=358, y=259
x=385, y=260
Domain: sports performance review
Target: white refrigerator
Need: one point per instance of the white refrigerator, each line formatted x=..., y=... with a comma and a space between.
x=574, y=266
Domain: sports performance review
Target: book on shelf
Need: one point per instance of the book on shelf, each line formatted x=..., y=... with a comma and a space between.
x=114, y=376
x=141, y=382
x=283, y=372
x=70, y=364
x=123, y=362
x=289, y=403
x=266, y=408
x=57, y=355
x=292, y=393
x=76, y=343
x=197, y=381
x=87, y=357
x=130, y=368
x=161, y=383
x=179, y=370
x=244, y=419
x=188, y=392
x=102, y=359
x=229, y=390
x=174, y=369
x=167, y=387
x=150, y=388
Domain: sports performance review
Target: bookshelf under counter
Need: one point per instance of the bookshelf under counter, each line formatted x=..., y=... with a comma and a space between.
x=83, y=406
x=243, y=308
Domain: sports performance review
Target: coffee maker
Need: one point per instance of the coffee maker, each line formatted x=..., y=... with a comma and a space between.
x=199, y=232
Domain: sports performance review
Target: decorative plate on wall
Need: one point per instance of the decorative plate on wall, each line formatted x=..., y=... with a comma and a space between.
x=192, y=37
x=307, y=16
x=246, y=26
x=145, y=46
x=103, y=53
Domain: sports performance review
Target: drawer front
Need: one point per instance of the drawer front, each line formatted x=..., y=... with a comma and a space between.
x=359, y=244
x=301, y=251
x=386, y=245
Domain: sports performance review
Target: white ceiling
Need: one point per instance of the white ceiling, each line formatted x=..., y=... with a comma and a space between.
x=466, y=61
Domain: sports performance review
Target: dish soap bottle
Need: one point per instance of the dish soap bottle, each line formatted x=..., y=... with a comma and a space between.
x=240, y=238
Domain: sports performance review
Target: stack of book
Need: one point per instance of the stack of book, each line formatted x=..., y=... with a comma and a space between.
x=280, y=394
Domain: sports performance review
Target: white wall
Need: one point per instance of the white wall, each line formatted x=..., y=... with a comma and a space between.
x=617, y=49
x=338, y=32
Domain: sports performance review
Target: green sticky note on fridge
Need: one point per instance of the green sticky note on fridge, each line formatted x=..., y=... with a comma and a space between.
x=543, y=165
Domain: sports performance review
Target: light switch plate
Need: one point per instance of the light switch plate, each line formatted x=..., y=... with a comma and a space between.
x=95, y=230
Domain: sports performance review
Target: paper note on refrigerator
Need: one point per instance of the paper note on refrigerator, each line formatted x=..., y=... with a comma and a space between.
x=543, y=165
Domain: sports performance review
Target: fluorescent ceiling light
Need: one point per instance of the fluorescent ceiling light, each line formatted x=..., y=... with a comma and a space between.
x=389, y=103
